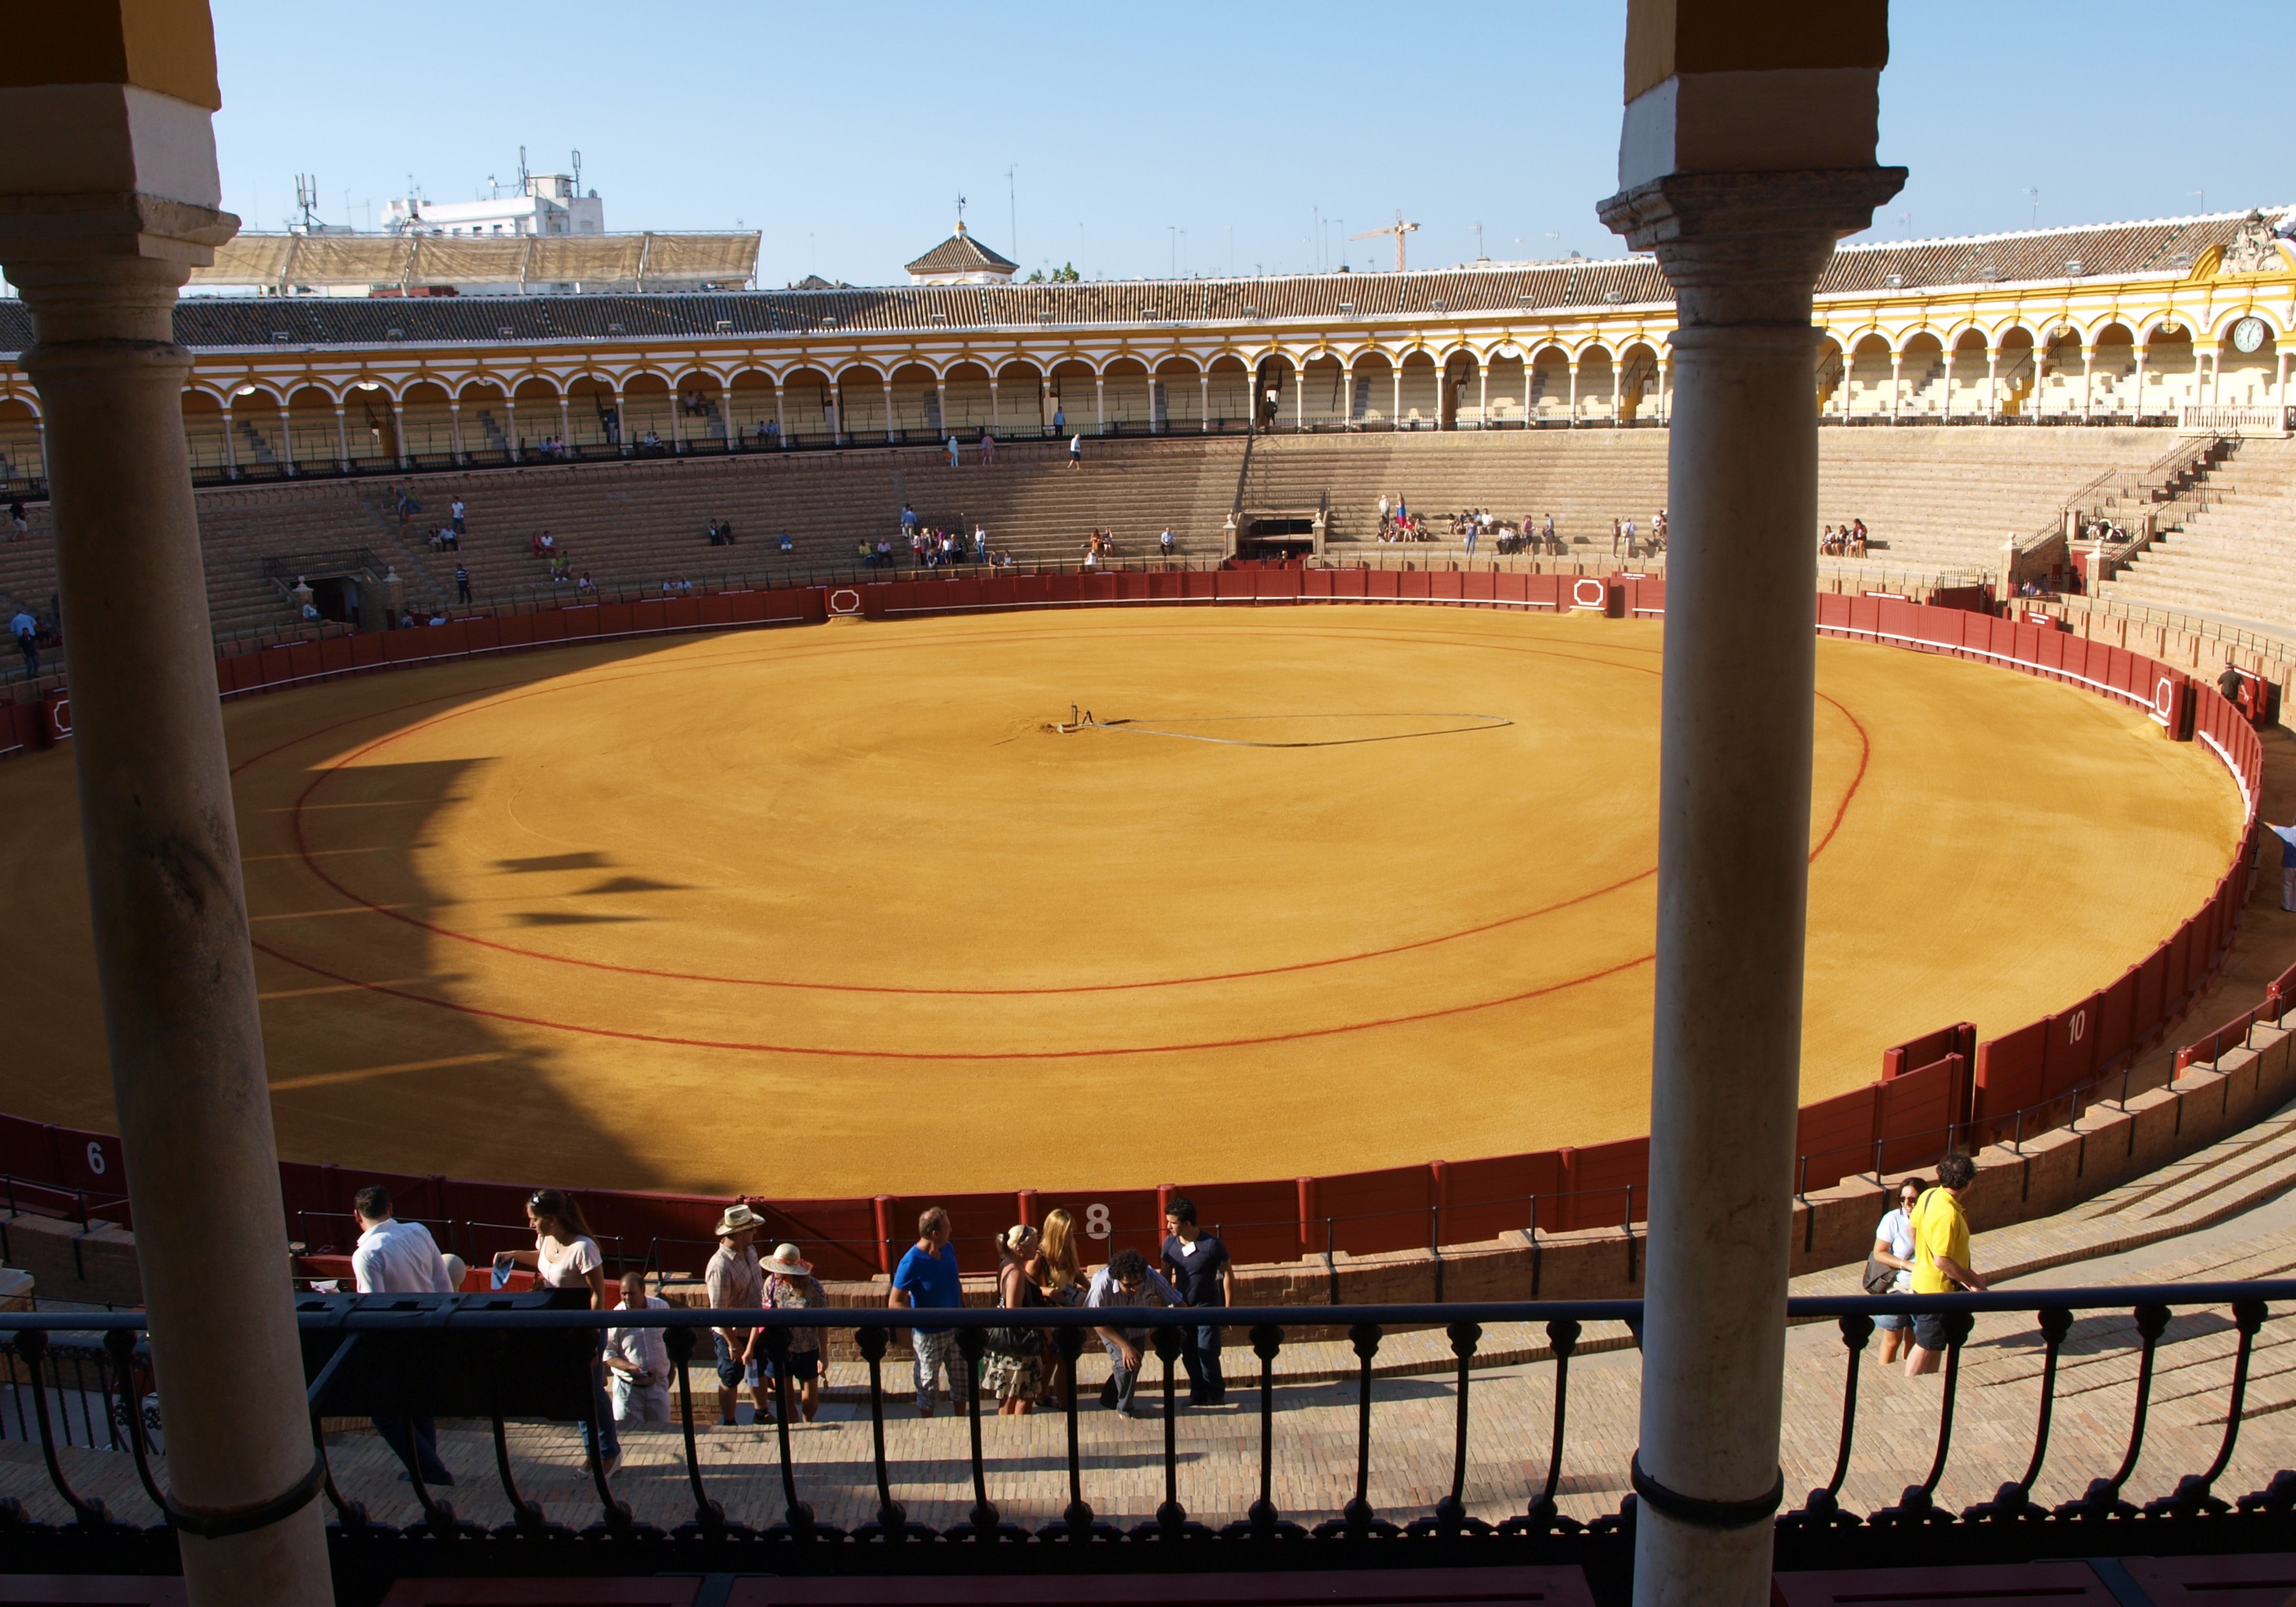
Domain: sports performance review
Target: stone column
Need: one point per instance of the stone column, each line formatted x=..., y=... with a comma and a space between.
x=342, y=440
x=99, y=273
x=1616, y=365
x=1992, y=383
x=1204, y=388
x=1099, y=405
x=2088, y=381
x=725, y=425
x=621, y=423
x=2136, y=408
x=1666, y=388
x=1482, y=394
x=1574, y=393
x=398, y=429
x=995, y=415
x=781, y=423
x=287, y=439
x=1300, y=396
x=1395, y=419
x=940, y=401
x=510, y=413
x=454, y=432
x=565, y=420
x=891, y=432
x=230, y=447
x=1896, y=382
x=1743, y=250
x=676, y=411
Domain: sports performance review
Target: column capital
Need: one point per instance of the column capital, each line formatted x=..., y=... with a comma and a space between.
x=105, y=265
x=1747, y=248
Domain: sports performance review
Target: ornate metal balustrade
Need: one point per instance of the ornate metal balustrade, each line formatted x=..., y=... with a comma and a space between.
x=83, y=1379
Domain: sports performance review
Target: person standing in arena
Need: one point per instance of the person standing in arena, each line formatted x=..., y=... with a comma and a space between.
x=736, y=1284
x=462, y=583
x=1940, y=1257
x=399, y=1257
x=1198, y=1266
x=927, y=1280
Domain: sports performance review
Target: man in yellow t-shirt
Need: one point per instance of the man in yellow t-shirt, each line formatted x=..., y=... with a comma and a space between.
x=1940, y=1257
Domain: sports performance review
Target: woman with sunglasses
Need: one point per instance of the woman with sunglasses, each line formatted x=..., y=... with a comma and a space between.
x=1893, y=1246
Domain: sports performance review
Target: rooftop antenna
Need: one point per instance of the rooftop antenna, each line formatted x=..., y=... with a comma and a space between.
x=1400, y=229
x=1013, y=205
x=1480, y=255
x=2200, y=195
x=306, y=198
x=577, y=173
x=2034, y=192
x=524, y=178
x=960, y=214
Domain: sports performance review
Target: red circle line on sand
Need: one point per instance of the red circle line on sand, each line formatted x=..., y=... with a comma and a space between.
x=304, y=853
x=627, y=1035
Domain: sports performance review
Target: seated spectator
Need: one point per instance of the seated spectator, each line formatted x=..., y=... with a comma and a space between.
x=787, y=545
x=1128, y=1281
x=586, y=587
x=637, y=1359
x=726, y=531
x=713, y=536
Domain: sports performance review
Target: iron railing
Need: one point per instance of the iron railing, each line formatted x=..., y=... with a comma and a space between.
x=84, y=1381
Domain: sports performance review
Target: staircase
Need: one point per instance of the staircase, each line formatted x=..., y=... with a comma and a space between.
x=2232, y=551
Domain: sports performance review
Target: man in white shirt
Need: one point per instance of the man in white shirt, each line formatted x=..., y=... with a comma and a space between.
x=1164, y=542
x=400, y=1257
x=637, y=1359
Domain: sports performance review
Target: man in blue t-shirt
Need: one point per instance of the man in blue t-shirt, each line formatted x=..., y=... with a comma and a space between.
x=1198, y=1267
x=926, y=1280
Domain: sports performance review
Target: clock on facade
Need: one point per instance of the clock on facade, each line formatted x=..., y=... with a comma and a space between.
x=2248, y=335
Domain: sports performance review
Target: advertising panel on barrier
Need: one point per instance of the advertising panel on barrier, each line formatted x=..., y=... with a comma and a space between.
x=55, y=716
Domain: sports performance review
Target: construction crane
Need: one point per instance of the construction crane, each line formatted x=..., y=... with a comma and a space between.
x=1400, y=229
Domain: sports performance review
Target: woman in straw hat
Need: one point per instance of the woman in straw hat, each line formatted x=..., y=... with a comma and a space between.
x=1015, y=1373
x=790, y=1286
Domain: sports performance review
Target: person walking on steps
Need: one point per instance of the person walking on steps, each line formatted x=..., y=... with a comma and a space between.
x=1941, y=1259
x=1076, y=451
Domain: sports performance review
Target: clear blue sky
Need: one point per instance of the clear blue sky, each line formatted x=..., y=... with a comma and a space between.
x=846, y=133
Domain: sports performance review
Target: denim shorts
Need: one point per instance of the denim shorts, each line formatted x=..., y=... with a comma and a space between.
x=1896, y=1320
x=1929, y=1331
x=730, y=1368
x=803, y=1366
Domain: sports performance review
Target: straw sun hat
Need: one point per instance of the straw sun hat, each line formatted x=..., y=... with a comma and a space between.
x=786, y=1262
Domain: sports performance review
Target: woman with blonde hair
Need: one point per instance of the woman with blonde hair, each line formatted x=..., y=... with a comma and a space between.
x=1061, y=1281
x=1015, y=1373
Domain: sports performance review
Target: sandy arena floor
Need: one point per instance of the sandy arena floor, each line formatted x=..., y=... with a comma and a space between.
x=830, y=911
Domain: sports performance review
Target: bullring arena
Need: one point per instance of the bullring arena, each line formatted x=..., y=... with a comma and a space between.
x=736, y=913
